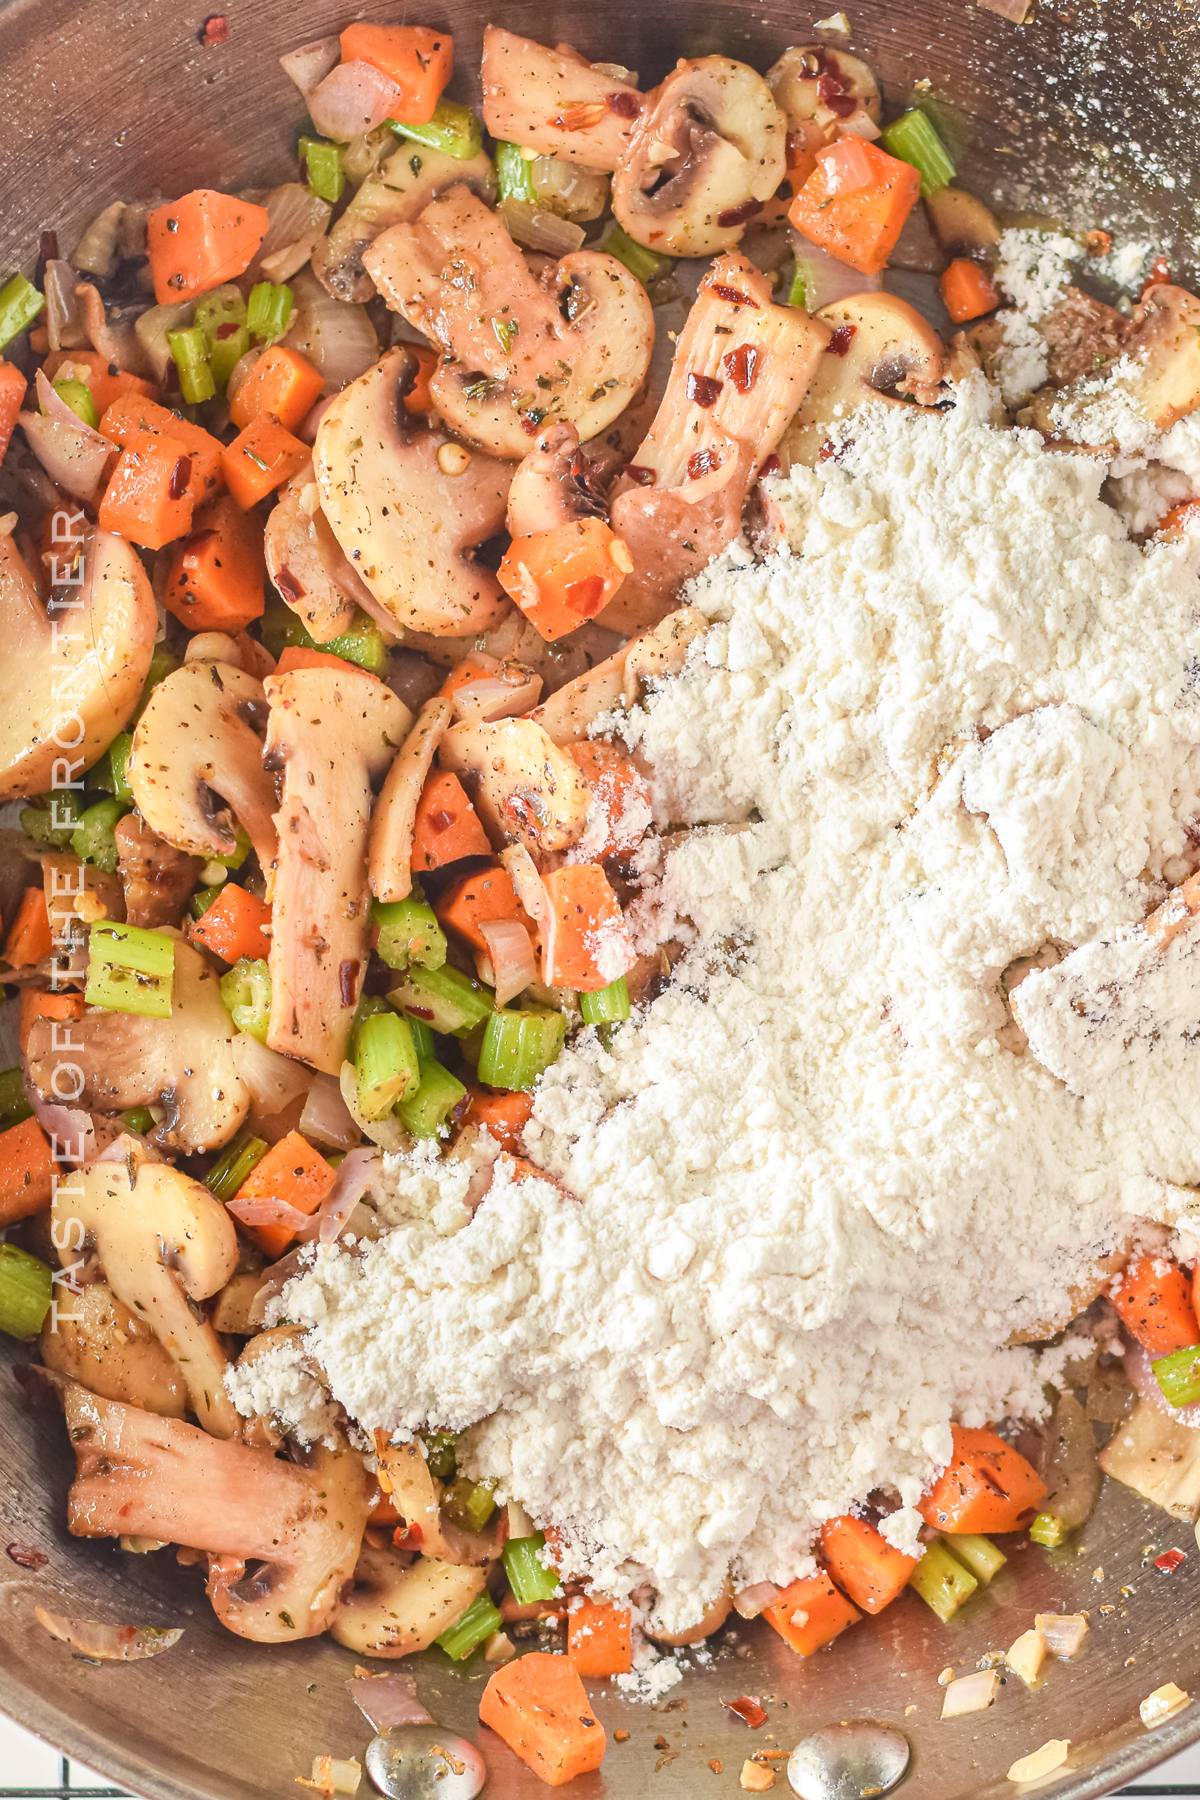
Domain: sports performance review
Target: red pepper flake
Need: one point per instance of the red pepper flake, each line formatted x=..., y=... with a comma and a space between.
x=771, y=466
x=827, y=451
x=1159, y=276
x=703, y=389
x=643, y=477
x=580, y=117
x=216, y=31
x=441, y=821
x=841, y=340
x=586, y=596
x=741, y=366
x=1168, y=1562
x=181, y=474
x=702, y=462
x=734, y=296
x=408, y=1536
x=285, y=581
x=531, y=423
x=626, y=106
x=832, y=94
x=1098, y=243
x=749, y=1708
x=27, y=1559
x=738, y=215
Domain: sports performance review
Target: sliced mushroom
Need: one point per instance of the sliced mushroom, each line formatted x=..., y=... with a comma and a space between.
x=526, y=790
x=182, y=1065
x=307, y=565
x=138, y=1475
x=877, y=341
x=962, y=224
x=518, y=350
x=76, y=667
x=712, y=1618
x=392, y=826
x=488, y=689
x=201, y=734
x=554, y=101
x=332, y=733
x=408, y=527
x=833, y=89
x=740, y=370
x=398, y=1606
x=1159, y=369
x=555, y=484
x=570, y=713
x=97, y=1341
x=708, y=151
x=163, y=1242
x=157, y=878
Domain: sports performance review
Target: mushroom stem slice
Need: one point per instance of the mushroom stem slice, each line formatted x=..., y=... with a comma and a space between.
x=390, y=855
x=332, y=733
x=830, y=87
x=307, y=565
x=555, y=102
x=99, y=1342
x=526, y=790
x=570, y=713
x=398, y=1606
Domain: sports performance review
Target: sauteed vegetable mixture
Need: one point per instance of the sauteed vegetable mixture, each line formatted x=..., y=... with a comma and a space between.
x=340, y=524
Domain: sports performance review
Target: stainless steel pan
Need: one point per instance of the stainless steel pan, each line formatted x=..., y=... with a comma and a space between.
x=1089, y=113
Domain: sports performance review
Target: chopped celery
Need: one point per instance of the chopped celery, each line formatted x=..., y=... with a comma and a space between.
x=1178, y=1375
x=514, y=174
x=201, y=901
x=480, y=1621
x=190, y=353
x=130, y=970
x=469, y=1503
x=408, y=933
x=454, y=130
x=607, y=1004
x=232, y=343
x=361, y=643
x=78, y=396
x=798, y=292
x=644, y=265
x=518, y=1047
x=528, y=1576
x=979, y=1555
x=117, y=758
x=445, y=998
x=20, y=304
x=941, y=1581
x=234, y=1164
x=422, y=1038
x=441, y=1453
x=139, y=1119
x=1049, y=1530
x=385, y=1063
x=26, y=1290
x=268, y=310
x=322, y=167
x=223, y=306
x=93, y=838
x=238, y=855
x=54, y=822
x=246, y=991
x=162, y=664
x=426, y=1110
x=913, y=139
x=13, y=1105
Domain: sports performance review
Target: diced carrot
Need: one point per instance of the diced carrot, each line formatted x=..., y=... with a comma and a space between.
x=26, y=1172
x=291, y=1171
x=1154, y=1298
x=12, y=394
x=132, y=413
x=503, y=1115
x=860, y=227
x=419, y=398
x=988, y=1486
x=201, y=240
x=215, y=578
x=236, y=924
x=562, y=577
x=147, y=498
x=600, y=1639
x=447, y=826
x=36, y=1005
x=282, y=384
x=260, y=459
x=471, y=668
x=106, y=382
x=475, y=900
x=616, y=784
x=863, y=1563
x=418, y=60
x=587, y=913
x=295, y=656
x=810, y=1614
x=538, y=1705
x=1173, y=522
x=29, y=938
x=967, y=290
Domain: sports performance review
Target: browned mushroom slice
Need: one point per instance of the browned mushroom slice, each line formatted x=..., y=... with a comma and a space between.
x=526, y=790
x=407, y=525
x=740, y=369
x=709, y=149
x=570, y=713
x=331, y=733
x=390, y=854
x=877, y=341
x=518, y=351
x=554, y=485
x=1082, y=334
x=97, y=1341
x=554, y=101
x=143, y=1476
x=962, y=224
x=1158, y=371
x=309, y=568
x=399, y=1605
x=157, y=878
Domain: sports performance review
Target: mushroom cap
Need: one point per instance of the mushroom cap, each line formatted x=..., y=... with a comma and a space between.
x=307, y=565
x=519, y=351
x=554, y=484
x=201, y=733
x=407, y=527
x=526, y=790
x=555, y=101
x=394, y=819
x=709, y=149
x=104, y=1346
x=398, y=1606
x=815, y=81
x=73, y=672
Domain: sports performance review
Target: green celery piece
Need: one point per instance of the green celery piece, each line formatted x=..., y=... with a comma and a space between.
x=14, y=1107
x=20, y=304
x=268, y=310
x=422, y=1038
x=130, y=970
x=514, y=180
x=239, y=854
x=234, y=1164
x=162, y=664
x=53, y=823
x=528, y=1576
x=322, y=167
x=203, y=899
x=941, y=1581
x=93, y=839
x=644, y=265
x=1178, y=1375
x=408, y=933
x=469, y=1503
x=246, y=991
x=454, y=130
x=979, y=1555
x=913, y=139
x=481, y=1620
x=445, y=998
x=362, y=643
x=607, y=1004
x=118, y=767
x=518, y=1047
x=190, y=353
x=385, y=1063
x=798, y=292
x=139, y=1119
x=78, y=396
x=26, y=1290
x=441, y=1450
x=223, y=306
x=1048, y=1530
x=425, y=1111
x=232, y=343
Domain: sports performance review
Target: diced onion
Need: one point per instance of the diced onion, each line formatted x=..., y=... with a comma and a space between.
x=846, y=166
x=152, y=328
x=326, y=1117
x=1063, y=1632
x=268, y=1211
x=359, y=1169
x=297, y=217
x=107, y=1643
x=64, y=313
x=331, y=1776
x=536, y=229
x=353, y=98
x=273, y=1080
x=1008, y=9
x=826, y=279
x=511, y=955
x=1026, y=1656
x=387, y=1700
x=67, y=1124
x=337, y=337
x=72, y=454
x=1162, y=1703
x=970, y=1693
x=1041, y=1762
x=568, y=189
x=754, y=1600
x=96, y=251
x=312, y=62
x=530, y=890
x=387, y=1132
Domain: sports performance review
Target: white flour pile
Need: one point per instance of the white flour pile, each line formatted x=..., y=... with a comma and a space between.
x=815, y=1195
